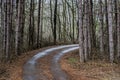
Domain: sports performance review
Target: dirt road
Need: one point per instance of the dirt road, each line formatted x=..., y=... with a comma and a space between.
x=47, y=61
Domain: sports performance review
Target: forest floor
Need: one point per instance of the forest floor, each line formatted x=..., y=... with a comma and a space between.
x=92, y=70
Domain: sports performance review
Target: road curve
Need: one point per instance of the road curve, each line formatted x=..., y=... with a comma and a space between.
x=30, y=71
x=56, y=70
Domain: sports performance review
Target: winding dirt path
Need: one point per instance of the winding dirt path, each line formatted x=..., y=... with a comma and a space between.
x=56, y=68
x=35, y=67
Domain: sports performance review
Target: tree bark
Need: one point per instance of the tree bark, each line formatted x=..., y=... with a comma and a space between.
x=55, y=22
x=19, y=28
x=86, y=30
x=81, y=50
x=39, y=25
x=101, y=28
x=107, y=27
x=31, y=25
x=111, y=42
x=118, y=29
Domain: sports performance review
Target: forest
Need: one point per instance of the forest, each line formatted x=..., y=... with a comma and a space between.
x=28, y=25
x=90, y=26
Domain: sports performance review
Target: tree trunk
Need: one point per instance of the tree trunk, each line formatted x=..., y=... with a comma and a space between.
x=111, y=42
x=118, y=29
x=55, y=22
x=107, y=27
x=85, y=30
x=115, y=27
x=73, y=21
x=39, y=25
x=81, y=49
x=2, y=28
x=31, y=25
x=19, y=28
x=93, y=36
x=8, y=27
x=101, y=28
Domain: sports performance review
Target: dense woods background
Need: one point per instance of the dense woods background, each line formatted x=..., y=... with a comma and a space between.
x=99, y=29
x=31, y=24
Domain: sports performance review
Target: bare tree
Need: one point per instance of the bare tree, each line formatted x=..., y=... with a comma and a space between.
x=118, y=29
x=55, y=21
x=81, y=49
x=111, y=42
x=8, y=28
x=19, y=27
x=101, y=27
x=107, y=28
x=86, y=30
x=39, y=25
x=31, y=25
